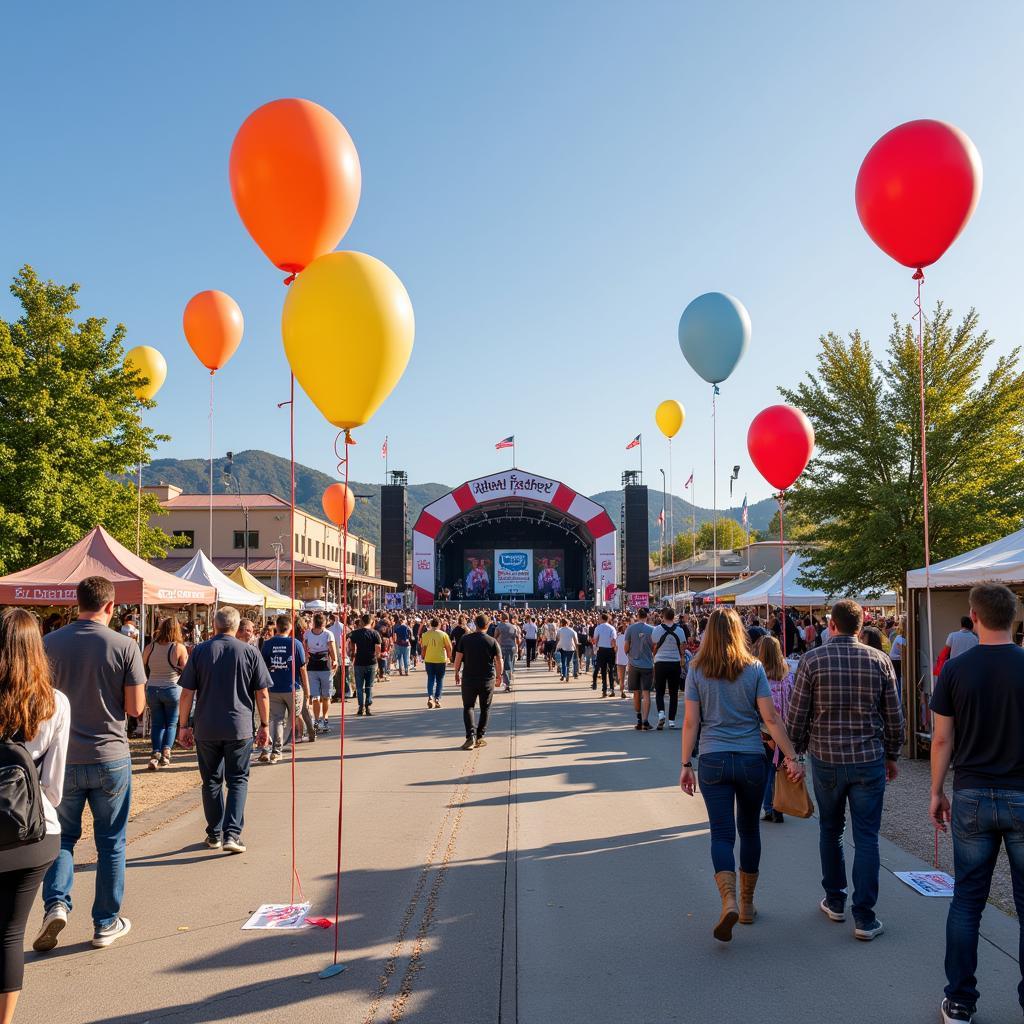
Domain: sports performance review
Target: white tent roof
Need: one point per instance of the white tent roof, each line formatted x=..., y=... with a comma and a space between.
x=1002, y=561
x=784, y=585
x=201, y=570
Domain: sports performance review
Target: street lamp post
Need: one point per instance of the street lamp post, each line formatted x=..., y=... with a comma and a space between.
x=278, y=549
x=228, y=478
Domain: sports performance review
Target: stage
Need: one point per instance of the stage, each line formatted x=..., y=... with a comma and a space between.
x=512, y=606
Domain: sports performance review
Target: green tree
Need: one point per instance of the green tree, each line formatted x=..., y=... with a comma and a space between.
x=70, y=429
x=864, y=485
x=797, y=527
x=730, y=535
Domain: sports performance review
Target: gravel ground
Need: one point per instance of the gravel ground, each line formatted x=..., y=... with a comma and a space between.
x=905, y=822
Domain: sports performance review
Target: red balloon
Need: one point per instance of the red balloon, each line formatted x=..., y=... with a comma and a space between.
x=916, y=190
x=780, y=442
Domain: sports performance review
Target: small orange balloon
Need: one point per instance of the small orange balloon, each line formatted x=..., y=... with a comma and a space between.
x=339, y=503
x=213, y=327
x=295, y=179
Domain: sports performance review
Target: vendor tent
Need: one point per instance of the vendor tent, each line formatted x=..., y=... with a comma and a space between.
x=55, y=581
x=785, y=585
x=1002, y=561
x=274, y=600
x=729, y=591
x=201, y=570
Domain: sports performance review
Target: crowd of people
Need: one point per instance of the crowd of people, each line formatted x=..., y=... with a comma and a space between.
x=760, y=700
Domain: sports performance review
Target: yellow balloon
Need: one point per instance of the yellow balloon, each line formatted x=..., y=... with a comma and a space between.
x=669, y=416
x=348, y=329
x=151, y=365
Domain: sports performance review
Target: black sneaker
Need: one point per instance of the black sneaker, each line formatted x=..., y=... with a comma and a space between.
x=647, y=727
x=593, y=685
x=833, y=909
x=869, y=930
x=955, y=1012
x=777, y=817
x=661, y=724
x=639, y=725
x=469, y=744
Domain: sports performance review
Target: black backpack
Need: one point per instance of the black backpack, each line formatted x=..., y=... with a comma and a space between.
x=22, y=818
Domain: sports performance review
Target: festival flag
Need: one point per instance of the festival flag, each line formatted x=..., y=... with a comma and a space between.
x=384, y=448
x=633, y=443
x=508, y=442
x=689, y=481
x=744, y=510
x=661, y=518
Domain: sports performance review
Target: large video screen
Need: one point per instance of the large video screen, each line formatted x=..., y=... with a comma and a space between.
x=513, y=571
x=549, y=565
x=476, y=573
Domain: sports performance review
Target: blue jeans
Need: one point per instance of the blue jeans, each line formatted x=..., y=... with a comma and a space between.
x=163, y=707
x=732, y=785
x=575, y=664
x=107, y=788
x=224, y=762
x=508, y=661
x=982, y=819
x=435, y=677
x=364, y=680
x=769, y=787
x=401, y=659
x=863, y=787
x=565, y=657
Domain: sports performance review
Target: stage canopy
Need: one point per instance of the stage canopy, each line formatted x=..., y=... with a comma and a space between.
x=274, y=600
x=55, y=581
x=785, y=584
x=1002, y=561
x=201, y=570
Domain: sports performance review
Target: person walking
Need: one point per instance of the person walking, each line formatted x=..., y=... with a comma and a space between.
x=549, y=631
x=669, y=639
x=321, y=664
x=477, y=664
x=100, y=671
x=164, y=658
x=565, y=644
x=227, y=680
x=437, y=650
x=364, y=648
x=780, y=680
x=727, y=699
x=530, y=637
x=844, y=711
x=639, y=649
x=978, y=706
x=35, y=724
x=337, y=630
x=604, y=656
x=289, y=692
x=507, y=635
x=403, y=646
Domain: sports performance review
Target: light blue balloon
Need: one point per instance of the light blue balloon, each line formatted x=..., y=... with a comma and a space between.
x=714, y=332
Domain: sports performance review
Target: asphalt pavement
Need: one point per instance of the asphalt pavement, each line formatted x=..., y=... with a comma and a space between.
x=556, y=874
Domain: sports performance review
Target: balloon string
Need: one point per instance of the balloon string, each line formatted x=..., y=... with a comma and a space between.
x=919, y=317
x=343, y=608
x=782, y=575
x=296, y=881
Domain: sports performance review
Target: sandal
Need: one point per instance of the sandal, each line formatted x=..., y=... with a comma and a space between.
x=165, y=759
x=154, y=763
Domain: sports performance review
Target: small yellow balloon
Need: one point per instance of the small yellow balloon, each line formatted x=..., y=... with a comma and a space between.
x=151, y=365
x=348, y=330
x=669, y=416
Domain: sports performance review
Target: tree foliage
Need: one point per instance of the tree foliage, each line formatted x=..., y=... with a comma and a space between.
x=731, y=536
x=864, y=485
x=70, y=426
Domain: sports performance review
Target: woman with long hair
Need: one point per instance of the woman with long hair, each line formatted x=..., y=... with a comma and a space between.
x=164, y=657
x=38, y=717
x=780, y=680
x=727, y=698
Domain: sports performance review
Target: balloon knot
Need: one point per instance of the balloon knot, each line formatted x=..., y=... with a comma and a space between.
x=291, y=277
x=918, y=275
x=349, y=439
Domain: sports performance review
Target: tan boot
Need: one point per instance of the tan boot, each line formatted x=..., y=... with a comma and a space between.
x=726, y=882
x=748, y=882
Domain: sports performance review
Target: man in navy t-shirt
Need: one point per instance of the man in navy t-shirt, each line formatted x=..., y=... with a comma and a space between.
x=978, y=703
x=289, y=691
x=403, y=645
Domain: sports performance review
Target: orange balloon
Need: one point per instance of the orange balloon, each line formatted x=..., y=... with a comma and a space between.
x=295, y=180
x=339, y=503
x=213, y=327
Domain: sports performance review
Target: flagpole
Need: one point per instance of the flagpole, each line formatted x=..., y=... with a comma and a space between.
x=641, y=436
x=693, y=516
x=387, y=454
x=513, y=451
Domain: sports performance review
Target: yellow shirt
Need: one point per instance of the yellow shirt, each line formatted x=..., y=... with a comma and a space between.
x=433, y=643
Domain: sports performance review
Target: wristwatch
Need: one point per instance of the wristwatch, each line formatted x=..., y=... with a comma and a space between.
x=687, y=764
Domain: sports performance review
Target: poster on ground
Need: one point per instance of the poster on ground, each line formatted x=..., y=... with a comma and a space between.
x=928, y=883
x=278, y=917
x=513, y=571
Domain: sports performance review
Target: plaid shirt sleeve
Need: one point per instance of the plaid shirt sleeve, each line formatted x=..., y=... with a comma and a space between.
x=798, y=715
x=892, y=714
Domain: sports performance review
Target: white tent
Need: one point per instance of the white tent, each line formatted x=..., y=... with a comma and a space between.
x=1002, y=561
x=784, y=585
x=319, y=606
x=201, y=570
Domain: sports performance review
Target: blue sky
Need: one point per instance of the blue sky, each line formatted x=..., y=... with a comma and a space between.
x=552, y=181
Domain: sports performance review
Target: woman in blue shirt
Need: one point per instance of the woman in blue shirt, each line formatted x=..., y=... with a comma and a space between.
x=727, y=698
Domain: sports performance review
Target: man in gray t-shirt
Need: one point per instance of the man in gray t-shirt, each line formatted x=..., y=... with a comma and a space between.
x=507, y=636
x=639, y=649
x=101, y=673
x=963, y=639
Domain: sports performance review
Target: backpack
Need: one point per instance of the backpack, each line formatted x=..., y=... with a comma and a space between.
x=668, y=631
x=22, y=817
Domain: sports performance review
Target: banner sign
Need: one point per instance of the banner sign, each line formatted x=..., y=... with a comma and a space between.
x=639, y=600
x=392, y=601
x=513, y=571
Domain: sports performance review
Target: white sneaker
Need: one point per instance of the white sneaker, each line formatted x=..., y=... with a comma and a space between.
x=234, y=844
x=54, y=923
x=671, y=724
x=105, y=936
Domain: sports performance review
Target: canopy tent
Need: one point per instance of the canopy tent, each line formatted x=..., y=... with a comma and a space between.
x=1002, y=561
x=784, y=585
x=319, y=606
x=55, y=581
x=201, y=570
x=274, y=600
x=729, y=591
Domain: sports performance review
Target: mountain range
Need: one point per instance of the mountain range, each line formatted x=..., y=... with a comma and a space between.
x=259, y=471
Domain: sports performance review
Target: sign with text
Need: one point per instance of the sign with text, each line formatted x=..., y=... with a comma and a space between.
x=639, y=600
x=513, y=571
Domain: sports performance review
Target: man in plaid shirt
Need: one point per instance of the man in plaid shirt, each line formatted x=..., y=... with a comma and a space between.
x=845, y=712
